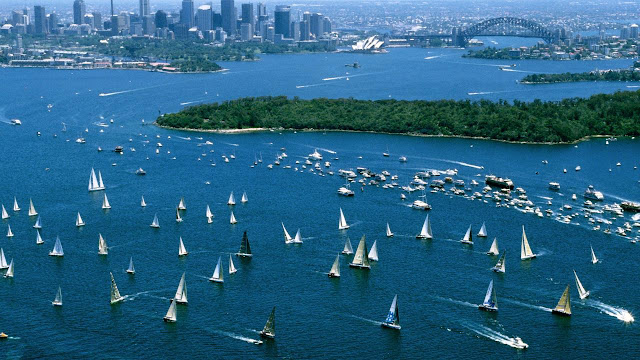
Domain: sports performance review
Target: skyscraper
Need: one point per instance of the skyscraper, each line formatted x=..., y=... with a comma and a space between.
x=97, y=19
x=282, y=21
x=247, y=15
x=204, y=18
x=144, y=8
x=40, y=19
x=161, y=19
x=53, y=22
x=186, y=14
x=78, y=11
x=317, y=24
x=228, y=12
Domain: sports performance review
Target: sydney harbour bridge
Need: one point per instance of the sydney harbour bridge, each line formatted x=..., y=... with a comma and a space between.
x=500, y=26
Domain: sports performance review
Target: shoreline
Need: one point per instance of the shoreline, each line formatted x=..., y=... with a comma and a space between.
x=254, y=130
x=111, y=68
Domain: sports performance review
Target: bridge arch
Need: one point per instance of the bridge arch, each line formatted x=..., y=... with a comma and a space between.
x=536, y=30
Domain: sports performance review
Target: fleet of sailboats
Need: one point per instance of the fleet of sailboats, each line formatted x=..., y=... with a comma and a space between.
x=245, y=248
x=115, y=293
x=218, y=274
x=468, y=237
x=181, y=292
x=269, y=330
x=494, y=248
x=393, y=317
x=425, y=233
x=57, y=248
x=95, y=183
x=525, y=249
x=342, y=222
x=490, y=302
x=361, y=258
x=581, y=291
x=564, y=305
x=102, y=246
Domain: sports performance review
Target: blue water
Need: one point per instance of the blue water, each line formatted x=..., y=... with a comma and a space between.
x=437, y=282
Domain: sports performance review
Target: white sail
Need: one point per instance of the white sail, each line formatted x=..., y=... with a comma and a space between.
x=5, y=215
x=131, y=269
x=171, y=313
x=3, y=260
x=178, y=217
x=115, y=293
x=490, y=300
x=594, y=259
x=287, y=238
x=232, y=268
x=15, y=204
x=142, y=203
x=393, y=317
x=232, y=219
x=483, y=231
x=181, y=205
x=155, y=223
x=39, y=240
x=218, y=274
x=58, y=300
x=38, y=224
x=232, y=200
x=500, y=265
x=468, y=237
x=105, y=202
x=93, y=181
x=342, y=222
x=57, y=248
x=494, y=248
x=244, y=197
x=102, y=245
x=181, y=292
x=182, y=251
x=389, y=233
x=525, y=249
x=335, y=268
x=79, y=221
x=348, y=250
x=425, y=232
x=361, y=258
x=100, y=183
x=9, y=232
x=209, y=214
x=581, y=291
x=32, y=209
x=9, y=273
x=373, y=254
x=298, y=238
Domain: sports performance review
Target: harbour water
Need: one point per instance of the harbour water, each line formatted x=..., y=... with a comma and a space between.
x=438, y=282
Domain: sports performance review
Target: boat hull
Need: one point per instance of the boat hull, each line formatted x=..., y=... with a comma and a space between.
x=216, y=280
x=466, y=242
x=130, y=272
x=391, y=326
x=585, y=295
x=343, y=227
x=423, y=237
x=166, y=319
x=244, y=255
x=498, y=270
x=117, y=300
x=331, y=275
x=528, y=257
x=56, y=303
x=560, y=313
x=487, y=308
x=267, y=335
x=346, y=253
x=358, y=266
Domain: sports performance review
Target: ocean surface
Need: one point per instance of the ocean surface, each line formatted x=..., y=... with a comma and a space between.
x=439, y=282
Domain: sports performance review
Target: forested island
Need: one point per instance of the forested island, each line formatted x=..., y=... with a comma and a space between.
x=564, y=121
x=630, y=74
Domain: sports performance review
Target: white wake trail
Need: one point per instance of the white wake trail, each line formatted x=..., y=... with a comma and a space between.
x=617, y=312
x=494, y=335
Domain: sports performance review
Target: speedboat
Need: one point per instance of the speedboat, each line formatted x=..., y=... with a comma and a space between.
x=16, y=122
x=81, y=140
x=518, y=343
x=344, y=191
x=554, y=186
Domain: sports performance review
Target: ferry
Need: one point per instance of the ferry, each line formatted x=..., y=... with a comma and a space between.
x=592, y=194
x=499, y=182
x=630, y=206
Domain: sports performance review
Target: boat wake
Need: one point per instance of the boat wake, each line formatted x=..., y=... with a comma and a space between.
x=183, y=138
x=308, y=86
x=366, y=320
x=147, y=293
x=633, y=86
x=238, y=337
x=192, y=102
x=230, y=144
x=464, y=303
x=536, y=307
x=347, y=76
x=457, y=162
x=619, y=313
x=432, y=57
x=494, y=335
x=480, y=93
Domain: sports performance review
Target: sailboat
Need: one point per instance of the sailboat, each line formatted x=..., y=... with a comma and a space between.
x=57, y=248
x=393, y=317
x=115, y=294
x=39, y=240
x=483, y=231
x=287, y=238
x=373, y=254
x=209, y=215
x=335, y=268
x=232, y=268
x=361, y=258
x=525, y=249
x=269, y=330
x=155, y=223
x=9, y=273
x=5, y=215
x=171, y=313
x=102, y=246
x=79, y=221
x=244, y=197
x=38, y=224
x=389, y=233
x=3, y=260
x=95, y=183
x=218, y=274
x=298, y=238
x=594, y=259
x=425, y=233
x=131, y=270
x=15, y=204
x=490, y=302
x=232, y=200
x=494, y=248
x=348, y=250
x=9, y=232
x=342, y=222
x=564, y=305
x=178, y=217
x=468, y=237
x=182, y=251
x=142, y=203
x=245, y=248
x=181, y=292
x=32, y=209
x=232, y=219
x=500, y=268
x=105, y=202
x=58, y=300
x=181, y=205
x=581, y=291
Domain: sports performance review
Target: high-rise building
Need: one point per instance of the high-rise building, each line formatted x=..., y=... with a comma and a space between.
x=228, y=12
x=282, y=21
x=79, y=10
x=148, y=25
x=217, y=20
x=204, y=18
x=317, y=24
x=144, y=8
x=97, y=19
x=246, y=32
x=89, y=20
x=53, y=22
x=262, y=10
x=41, y=20
x=624, y=32
x=161, y=19
x=327, y=27
x=115, y=25
x=247, y=15
x=186, y=14
x=633, y=31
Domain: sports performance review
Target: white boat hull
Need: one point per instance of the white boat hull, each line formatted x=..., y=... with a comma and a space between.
x=359, y=266
x=391, y=326
x=528, y=257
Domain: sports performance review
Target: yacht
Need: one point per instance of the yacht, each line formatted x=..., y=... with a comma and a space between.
x=593, y=194
x=316, y=156
x=345, y=191
x=554, y=186
x=141, y=171
x=16, y=122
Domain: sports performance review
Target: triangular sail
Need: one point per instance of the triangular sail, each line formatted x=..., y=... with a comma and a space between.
x=39, y=240
x=218, y=274
x=389, y=233
x=500, y=265
x=348, y=250
x=9, y=232
x=232, y=219
x=494, y=248
x=245, y=248
x=105, y=202
x=468, y=237
x=393, y=317
x=3, y=260
x=32, y=209
x=79, y=221
x=287, y=238
x=425, y=232
x=298, y=238
x=57, y=248
x=581, y=290
x=100, y=183
x=142, y=202
x=244, y=197
x=490, y=298
x=564, y=305
x=483, y=231
x=373, y=254
x=594, y=259
x=15, y=204
x=335, y=268
x=181, y=292
x=270, y=327
x=171, y=313
x=9, y=273
x=361, y=258
x=232, y=199
x=93, y=181
x=38, y=224
x=342, y=222
x=131, y=269
x=58, y=300
x=5, y=215
x=525, y=249
x=178, y=217
x=102, y=245
x=115, y=293
x=232, y=268
x=182, y=251
x=155, y=223
x=209, y=214
x=181, y=205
